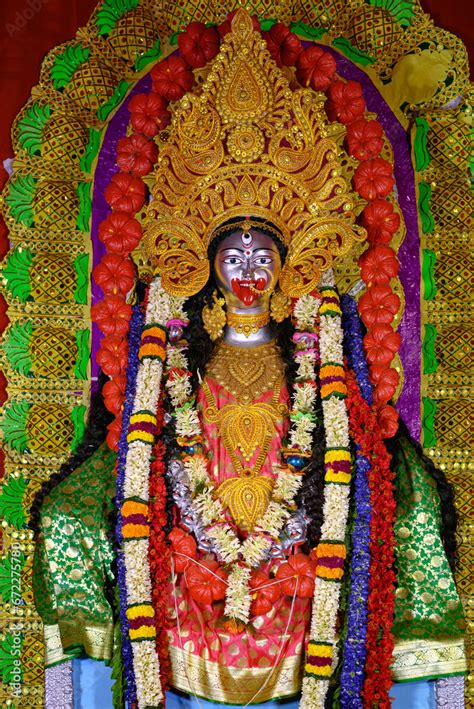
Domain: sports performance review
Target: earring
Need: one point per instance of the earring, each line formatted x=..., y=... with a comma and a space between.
x=279, y=306
x=214, y=317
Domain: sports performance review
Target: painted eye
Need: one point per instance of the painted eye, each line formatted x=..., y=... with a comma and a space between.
x=232, y=260
x=263, y=260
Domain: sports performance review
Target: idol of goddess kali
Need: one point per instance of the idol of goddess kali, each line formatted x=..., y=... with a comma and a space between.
x=233, y=545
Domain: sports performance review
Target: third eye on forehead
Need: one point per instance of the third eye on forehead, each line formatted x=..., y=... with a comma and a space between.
x=253, y=250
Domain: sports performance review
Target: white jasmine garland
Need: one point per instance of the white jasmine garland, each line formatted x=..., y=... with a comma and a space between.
x=306, y=362
x=304, y=397
x=208, y=509
x=187, y=423
x=137, y=470
x=226, y=540
x=255, y=549
x=148, y=385
x=179, y=389
x=335, y=509
x=305, y=311
x=272, y=521
x=287, y=486
x=175, y=357
x=238, y=598
x=196, y=470
x=301, y=436
x=147, y=670
x=159, y=308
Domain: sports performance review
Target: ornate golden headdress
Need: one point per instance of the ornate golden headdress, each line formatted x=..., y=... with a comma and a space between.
x=247, y=144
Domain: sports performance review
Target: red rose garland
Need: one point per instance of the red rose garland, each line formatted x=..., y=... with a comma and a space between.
x=381, y=601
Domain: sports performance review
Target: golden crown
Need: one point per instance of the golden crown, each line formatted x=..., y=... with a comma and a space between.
x=247, y=144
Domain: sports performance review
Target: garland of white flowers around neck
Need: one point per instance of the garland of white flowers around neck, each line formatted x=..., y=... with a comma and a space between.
x=321, y=656
x=240, y=557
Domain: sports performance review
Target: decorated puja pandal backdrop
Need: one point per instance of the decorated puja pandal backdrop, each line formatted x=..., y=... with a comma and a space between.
x=84, y=146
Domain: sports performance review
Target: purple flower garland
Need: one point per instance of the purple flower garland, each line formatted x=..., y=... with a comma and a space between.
x=354, y=650
x=136, y=327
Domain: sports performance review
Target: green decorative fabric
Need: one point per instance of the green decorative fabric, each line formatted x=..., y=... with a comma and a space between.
x=427, y=605
x=72, y=565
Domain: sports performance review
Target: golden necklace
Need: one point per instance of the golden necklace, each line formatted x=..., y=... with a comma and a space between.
x=247, y=323
x=246, y=425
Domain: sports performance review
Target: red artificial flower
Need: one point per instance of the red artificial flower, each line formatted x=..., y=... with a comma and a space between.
x=114, y=393
x=136, y=154
x=172, y=77
x=198, y=44
x=264, y=599
x=112, y=315
x=283, y=45
x=373, y=178
x=112, y=355
x=125, y=193
x=149, y=113
x=114, y=274
x=385, y=381
x=387, y=418
x=120, y=233
x=378, y=306
x=378, y=265
x=364, y=139
x=381, y=221
x=315, y=68
x=114, y=430
x=203, y=582
x=380, y=344
x=226, y=26
x=182, y=543
x=346, y=101
x=297, y=573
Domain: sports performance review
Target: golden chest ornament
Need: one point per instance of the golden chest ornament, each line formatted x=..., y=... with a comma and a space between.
x=246, y=426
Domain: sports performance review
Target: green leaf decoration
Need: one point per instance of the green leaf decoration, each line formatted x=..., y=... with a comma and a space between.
x=352, y=53
x=81, y=266
x=427, y=422
x=116, y=98
x=16, y=273
x=150, y=56
x=13, y=425
x=424, y=207
x=85, y=205
x=10, y=651
x=420, y=148
x=78, y=419
x=11, y=502
x=82, y=341
x=30, y=128
x=401, y=10
x=111, y=11
x=67, y=63
x=87, y=160
x=306, y=31
x=7, y=573
x=173, y=39
x=16, y=346
x=20, y=199
x=428, y=276
x=267, y=23
x=430, y=363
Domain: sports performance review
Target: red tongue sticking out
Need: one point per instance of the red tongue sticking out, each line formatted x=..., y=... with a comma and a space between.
x=242, y=289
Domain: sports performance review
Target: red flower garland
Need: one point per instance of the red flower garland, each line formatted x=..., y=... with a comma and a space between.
x=172, y=77
x=112, y=315
x=381, y=602
x=315, y=68
x=136, y=154
x=119, y=232
x=159, y=555
x=345, y=102
x=198, y=44
x=364, y=139
x=149, y=114
x=125, y=193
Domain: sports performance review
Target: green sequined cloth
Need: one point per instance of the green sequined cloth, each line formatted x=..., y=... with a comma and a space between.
x=72, y=565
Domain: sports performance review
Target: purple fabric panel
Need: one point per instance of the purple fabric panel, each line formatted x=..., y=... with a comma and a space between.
x=106, y=168
x=408, y=403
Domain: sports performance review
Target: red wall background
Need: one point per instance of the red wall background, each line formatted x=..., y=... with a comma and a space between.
x=30, y=28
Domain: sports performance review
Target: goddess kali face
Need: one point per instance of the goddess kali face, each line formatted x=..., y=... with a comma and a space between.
x=247, y=266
